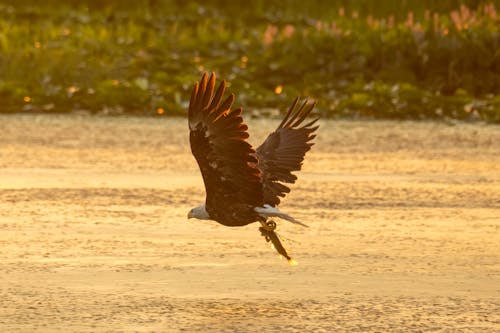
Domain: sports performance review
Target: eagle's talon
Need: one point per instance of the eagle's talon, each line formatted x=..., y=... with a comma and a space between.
x=265, y=233
x=269, y=225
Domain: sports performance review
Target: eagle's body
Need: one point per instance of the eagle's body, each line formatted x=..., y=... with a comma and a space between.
x=243, y=185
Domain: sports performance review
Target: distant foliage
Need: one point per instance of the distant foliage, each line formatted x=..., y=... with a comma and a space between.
x=402, y=59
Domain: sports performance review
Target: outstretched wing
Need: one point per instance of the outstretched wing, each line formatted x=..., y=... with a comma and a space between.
x=284, y=151
x=218, y=142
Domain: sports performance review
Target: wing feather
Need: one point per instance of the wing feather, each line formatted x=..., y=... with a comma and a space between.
x=283, y=151
x=218, y=142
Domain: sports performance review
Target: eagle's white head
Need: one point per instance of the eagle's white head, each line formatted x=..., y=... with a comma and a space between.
x=199, y=213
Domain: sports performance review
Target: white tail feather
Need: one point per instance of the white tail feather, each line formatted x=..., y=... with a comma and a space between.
x=270, y=211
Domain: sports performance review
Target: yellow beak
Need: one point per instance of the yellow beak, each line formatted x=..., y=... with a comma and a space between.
x=190, y=215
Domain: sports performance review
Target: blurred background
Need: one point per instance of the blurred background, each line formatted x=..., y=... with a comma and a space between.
x=360, y=59
x=403, y=215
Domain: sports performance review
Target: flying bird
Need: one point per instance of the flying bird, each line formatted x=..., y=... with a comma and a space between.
x=245, y=185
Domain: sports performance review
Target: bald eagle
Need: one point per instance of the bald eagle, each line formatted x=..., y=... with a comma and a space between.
x=244, y=185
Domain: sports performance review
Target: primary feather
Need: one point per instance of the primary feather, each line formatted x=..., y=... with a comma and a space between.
x=283, y=151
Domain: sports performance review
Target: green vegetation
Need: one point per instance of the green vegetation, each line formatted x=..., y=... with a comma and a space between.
x=416, y=60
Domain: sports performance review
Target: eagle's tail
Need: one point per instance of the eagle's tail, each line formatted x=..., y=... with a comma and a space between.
x=270, y=211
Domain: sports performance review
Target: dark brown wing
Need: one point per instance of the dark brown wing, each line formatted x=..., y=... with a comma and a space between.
x=218, y=142
x=284, y=151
